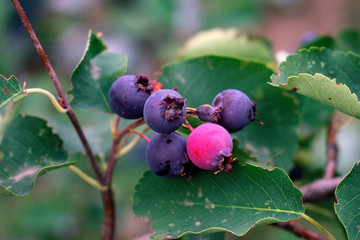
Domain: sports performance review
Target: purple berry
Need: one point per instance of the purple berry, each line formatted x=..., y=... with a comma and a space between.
x=208, y=113
x=237, y=110
x=128, y=95
x=209, y=147
x=166, y=154
x=165, y=111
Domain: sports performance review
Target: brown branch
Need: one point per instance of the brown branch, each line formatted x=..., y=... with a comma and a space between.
x=114, y=149
x=108, y=229
x=320, y=189
x=58, y=87
x=300, y=231
x=332, y=149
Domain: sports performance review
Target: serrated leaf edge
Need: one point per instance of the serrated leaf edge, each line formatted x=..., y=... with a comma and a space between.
x=344, y=87
x=14, y=96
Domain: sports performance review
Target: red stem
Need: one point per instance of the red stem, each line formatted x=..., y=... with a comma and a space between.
x=141, y=135
x=117, y=124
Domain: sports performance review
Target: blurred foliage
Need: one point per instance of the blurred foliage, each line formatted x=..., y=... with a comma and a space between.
x=150, y=32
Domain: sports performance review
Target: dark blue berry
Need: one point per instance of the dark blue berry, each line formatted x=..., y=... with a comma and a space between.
x=237, y=110
x=165, y=111
x=166, y=154
x=128, y=95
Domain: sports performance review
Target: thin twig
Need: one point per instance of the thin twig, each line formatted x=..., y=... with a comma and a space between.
x=320, y=189
x=140, y=135
x=337, y=120
x=300, y=231
x=114, y=149
x=332, y=149
x=58, y=87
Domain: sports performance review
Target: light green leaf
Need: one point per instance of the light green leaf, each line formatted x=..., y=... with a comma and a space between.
x=348, y=199
x=199, y=80
x=233, y=202
x=9, y=88
x=94, y=75
x=29, y=149
x=226, y=42
x=330, y=77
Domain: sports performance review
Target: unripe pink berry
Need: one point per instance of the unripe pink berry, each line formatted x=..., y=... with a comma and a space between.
x=209, y=147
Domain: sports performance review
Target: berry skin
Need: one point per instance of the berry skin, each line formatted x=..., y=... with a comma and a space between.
x=166, y=154
x=128, y=94
x=165, y=111
x=237, y=110
x=209, y=147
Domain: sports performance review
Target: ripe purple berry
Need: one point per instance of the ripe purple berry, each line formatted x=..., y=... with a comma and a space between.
x=209, y=147
x=128, y=94
x=166, y=154
x=165, y=111
x=237, y=110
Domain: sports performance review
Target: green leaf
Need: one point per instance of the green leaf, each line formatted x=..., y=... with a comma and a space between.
x=326, y=91
x=323, y=41
x=9, y=88
x=29, y=149
x=349, y=40
x=345, y=40
x=226, y=42
x=233, y=202
x=347, y=206
x=8, y=111
x=313, y=114
x=199, y=80
x=330, y=77
x=94, y=75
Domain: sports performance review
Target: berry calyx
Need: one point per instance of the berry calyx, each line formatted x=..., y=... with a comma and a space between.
x=209, y=147
x=172, y=108
x=165, y=111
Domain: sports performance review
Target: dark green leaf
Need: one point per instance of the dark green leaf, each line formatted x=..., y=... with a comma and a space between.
x=349, y=40
x=345, y=40
x=313, y=114
x=93, y=77
x=323, y=41
x=9, y=88
x=233, y=202
x=205, y=236
x=29, y=149
x=347, y=206
x=199, y=80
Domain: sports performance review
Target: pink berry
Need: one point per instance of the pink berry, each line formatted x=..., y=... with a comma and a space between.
x=209, y=147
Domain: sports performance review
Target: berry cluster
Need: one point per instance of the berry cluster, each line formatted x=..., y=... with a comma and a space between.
x=168, y=153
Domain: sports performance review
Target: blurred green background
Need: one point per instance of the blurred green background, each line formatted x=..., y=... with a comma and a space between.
x=61, y=205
